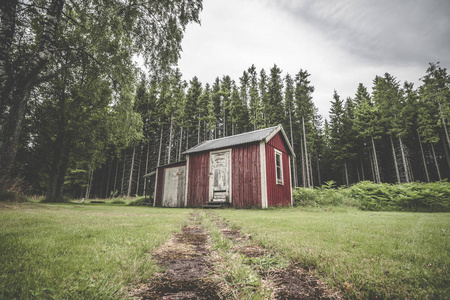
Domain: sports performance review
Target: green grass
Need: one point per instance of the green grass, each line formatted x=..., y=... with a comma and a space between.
x=74, y=251
x=374, y=254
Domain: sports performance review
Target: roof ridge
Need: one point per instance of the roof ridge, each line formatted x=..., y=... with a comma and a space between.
x=253, y=136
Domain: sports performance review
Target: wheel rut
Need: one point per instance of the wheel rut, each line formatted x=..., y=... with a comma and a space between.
x=210, y=260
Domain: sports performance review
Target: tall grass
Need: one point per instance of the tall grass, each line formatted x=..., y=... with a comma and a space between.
x=70, y=251
x=394, y=255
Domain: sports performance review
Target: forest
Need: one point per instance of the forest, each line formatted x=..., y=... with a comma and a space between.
x=79, y=118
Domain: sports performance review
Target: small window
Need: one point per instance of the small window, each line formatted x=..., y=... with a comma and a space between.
x=279, y=167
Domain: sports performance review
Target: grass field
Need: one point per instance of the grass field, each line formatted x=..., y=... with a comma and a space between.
x=367, y=254
x=97, y=251
x=74, y=251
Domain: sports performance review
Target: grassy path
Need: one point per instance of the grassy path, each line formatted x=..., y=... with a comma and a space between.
x=209, y=260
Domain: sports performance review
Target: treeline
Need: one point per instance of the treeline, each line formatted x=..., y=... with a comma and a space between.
x=67, y=85
x=397, y=133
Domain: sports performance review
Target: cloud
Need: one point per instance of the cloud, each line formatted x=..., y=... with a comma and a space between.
x=392, y=32
x=340, y=43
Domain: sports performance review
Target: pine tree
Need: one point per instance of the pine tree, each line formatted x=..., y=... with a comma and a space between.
x=305, y=113
x=274, y=105
x=367, y=126
x=289, y=111
x=263, y=92
x=255, y=105
x=336, y=132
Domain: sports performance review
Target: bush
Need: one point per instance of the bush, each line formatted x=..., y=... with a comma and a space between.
x=139, y=201
x=117, y=201
x=13, y=190
x=431, y=197
x=366, y=195
x=12, y=197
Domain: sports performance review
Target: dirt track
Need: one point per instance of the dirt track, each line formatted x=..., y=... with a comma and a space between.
x=192, y=268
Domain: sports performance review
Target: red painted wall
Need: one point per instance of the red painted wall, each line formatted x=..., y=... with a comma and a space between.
x=246, y=176
x=198, y=182
x=159, y=187
x=277, y=195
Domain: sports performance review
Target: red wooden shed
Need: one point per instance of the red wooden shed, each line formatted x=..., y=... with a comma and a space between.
x=251, y=169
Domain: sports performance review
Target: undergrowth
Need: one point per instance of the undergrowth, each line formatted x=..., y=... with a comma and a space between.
x=366, y=195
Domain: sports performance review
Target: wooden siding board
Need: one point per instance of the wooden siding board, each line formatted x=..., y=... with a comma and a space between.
x=159, y=187
x=198, y=183
x=277, y=195
x=278, y=142
x=246, y=176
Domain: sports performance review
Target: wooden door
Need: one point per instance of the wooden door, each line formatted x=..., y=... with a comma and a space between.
x=174, y=187
x=219, y=180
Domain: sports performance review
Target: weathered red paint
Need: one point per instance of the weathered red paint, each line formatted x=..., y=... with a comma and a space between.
x=277, y=195
x=278, y=142
x=198, y=181
x=246, y=176
x=159, y=187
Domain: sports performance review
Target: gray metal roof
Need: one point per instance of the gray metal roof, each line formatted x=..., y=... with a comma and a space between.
x=240, y=139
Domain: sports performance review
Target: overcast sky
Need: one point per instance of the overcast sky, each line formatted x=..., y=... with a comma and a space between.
x=340, y=43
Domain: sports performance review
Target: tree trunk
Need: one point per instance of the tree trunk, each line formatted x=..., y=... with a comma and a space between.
x=395, y=159
x=436, y=163
x=303, y=163
x=346, y=174
x=423, y=158
x=294, y=173
x=89, y=185
x=139, y=171
x=146, y=167
x=115, y=177
x=109, y=180
x=372, y=167
x=405, y=163
x=318, y=173
x=198, y=129
x=308, y=181
x=170, y=140
x=160, y=147
x=375, y=158
x=362, y=170
x=181, y=143
x=123, y=174
x=130, y=179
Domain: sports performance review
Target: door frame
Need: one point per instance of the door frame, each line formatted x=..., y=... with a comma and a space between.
x=211, y=174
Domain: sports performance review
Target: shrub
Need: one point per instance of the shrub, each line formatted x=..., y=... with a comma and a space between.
x=12, y=197
x=407, y=197
x=117, y=201
x=13, y=190
x=366, y=195
x=139, y=201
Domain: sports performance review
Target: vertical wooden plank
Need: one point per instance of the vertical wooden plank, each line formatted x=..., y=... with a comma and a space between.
x=262, y=151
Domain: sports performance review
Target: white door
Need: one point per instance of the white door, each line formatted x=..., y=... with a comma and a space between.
x=219, y=180
x=174, y=187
